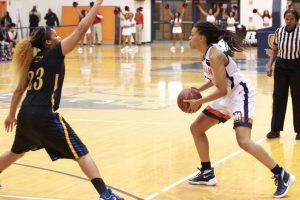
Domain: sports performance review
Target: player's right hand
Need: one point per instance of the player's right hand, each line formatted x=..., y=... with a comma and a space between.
x=194, y=105
x=9, y=123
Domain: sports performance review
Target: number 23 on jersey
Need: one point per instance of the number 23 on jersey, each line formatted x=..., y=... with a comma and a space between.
x=38, y=82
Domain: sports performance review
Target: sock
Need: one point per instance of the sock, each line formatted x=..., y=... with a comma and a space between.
x=99, y=185
x=205, y=166
x=276, y=170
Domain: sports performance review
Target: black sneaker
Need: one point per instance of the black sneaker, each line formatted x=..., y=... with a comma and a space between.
x=298, y=136
x=206, y=177
x=283, y=181
x=272, y=134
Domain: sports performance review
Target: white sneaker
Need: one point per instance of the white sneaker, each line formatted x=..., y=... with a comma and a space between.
x=79, y=50
x=125, y=49
x=173, y=49
x=182, y=49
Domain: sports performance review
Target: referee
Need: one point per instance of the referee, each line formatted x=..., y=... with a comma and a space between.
x=286, y=52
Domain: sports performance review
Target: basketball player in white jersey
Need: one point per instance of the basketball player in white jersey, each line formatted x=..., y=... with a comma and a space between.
x=233, y=96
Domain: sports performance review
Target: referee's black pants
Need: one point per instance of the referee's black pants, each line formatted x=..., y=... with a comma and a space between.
x=286, y=75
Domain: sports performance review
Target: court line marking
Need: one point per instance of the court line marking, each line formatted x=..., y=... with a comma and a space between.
x=77, y=177
x=152, y=196
x=141, y=122
x=25, y=197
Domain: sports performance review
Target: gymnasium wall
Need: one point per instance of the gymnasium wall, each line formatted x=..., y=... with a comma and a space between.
x=24, y=6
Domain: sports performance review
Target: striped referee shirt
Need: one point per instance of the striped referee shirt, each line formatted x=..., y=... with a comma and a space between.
x=288, y=43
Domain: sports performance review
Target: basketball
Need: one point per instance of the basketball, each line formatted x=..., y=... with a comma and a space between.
x=187, y=94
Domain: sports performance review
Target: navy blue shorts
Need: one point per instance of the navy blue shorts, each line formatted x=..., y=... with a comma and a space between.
x=39, y=127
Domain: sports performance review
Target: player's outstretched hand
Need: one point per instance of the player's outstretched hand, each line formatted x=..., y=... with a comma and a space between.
x=100, y=1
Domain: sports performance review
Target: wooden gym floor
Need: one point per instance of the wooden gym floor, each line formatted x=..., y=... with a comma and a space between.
x=123, y=106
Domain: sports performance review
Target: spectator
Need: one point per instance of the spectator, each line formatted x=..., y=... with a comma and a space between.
x=34, y=19
x=88, y=33
x=266, y=17
x=97, y=28
x=139, y=18
x=230, y=20
x=6, y=19
x=210, y=15
x=5, y=52
x=12, y=35
x=176, y=20
x=126, y=33
x=51, y=18
x=133, y=28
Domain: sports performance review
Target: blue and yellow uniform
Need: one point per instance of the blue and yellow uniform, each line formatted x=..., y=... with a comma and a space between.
x=38, y=125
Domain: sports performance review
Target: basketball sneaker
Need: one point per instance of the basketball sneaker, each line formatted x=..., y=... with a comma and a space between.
x=182, y=49
x=110, y=196
x=206, y=177
x=284, y=180
x=297, y=136
x=173, y=49
x=79, y=50
x=125, y=49
x=273, y=134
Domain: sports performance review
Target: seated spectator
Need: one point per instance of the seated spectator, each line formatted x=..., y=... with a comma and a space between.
x=5, y=51
x=12, y=35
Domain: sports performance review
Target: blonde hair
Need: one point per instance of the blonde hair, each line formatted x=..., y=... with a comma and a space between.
x=22, y=58
x=25, y=51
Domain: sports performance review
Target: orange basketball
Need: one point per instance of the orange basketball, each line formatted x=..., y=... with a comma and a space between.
x=187, y=94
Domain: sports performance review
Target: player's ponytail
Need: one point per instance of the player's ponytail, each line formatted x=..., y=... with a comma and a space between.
x=234, y=41
x=213, y=35
x=24, y=52
x=22, y=58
